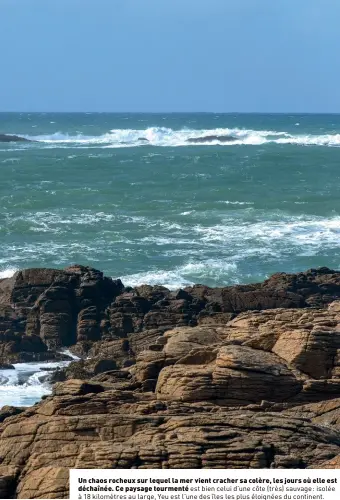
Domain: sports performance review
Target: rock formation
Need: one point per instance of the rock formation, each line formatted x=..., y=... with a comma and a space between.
x=211, y=138
x=13, y=138
x=233, y=377
x=43, y=310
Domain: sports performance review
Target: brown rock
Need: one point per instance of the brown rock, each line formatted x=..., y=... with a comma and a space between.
x=115, y=429
x=9, y=411
x=231, y=375
x=256, y=390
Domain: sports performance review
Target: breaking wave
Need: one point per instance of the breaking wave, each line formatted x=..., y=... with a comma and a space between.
x=7, y=273
x=167, y=137
x=181, y=276
x=189, y=251
x=27, y=382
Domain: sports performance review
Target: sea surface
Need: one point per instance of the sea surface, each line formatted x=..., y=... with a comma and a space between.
x=130, y=195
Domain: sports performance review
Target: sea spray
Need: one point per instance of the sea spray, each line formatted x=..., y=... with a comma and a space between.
x=27, y=382
x=167, y=137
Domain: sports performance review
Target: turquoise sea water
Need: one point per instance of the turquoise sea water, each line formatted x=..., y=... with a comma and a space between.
x=129, y=195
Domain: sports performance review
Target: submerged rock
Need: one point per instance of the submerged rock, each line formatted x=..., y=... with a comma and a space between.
x=5, y=366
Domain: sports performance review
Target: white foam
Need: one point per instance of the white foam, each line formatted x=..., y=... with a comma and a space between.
x=7, y=273
x=20, y=395
x=67, y=352
x=236, y=202
x=162, y=136
x=27, y=383
x=11, y=160
x=61, y=220
x=277, y=233
x=186, y=275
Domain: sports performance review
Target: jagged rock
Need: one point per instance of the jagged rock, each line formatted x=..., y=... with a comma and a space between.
x=238, y=298
x=57, y=307
x=315, y=287
x=23, y=349
x=78, y=307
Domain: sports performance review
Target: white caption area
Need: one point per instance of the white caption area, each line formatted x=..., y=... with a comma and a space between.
x=205, y=484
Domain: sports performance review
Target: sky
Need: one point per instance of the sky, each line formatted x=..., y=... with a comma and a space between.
x=170, y=55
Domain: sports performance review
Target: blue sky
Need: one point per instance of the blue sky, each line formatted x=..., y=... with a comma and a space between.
x=170, y=55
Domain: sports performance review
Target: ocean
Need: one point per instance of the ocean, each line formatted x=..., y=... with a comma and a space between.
x=127, y=194
x=171, y=199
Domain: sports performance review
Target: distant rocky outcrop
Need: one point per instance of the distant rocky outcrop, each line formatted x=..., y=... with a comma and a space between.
x=13, y=138
x=212, y=138
x=233, y=377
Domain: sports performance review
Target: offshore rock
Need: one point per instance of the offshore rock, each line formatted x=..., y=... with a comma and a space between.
x=212, y=138
x=13, y=138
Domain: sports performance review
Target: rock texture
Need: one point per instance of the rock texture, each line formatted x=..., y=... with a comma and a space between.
x=44, y=310
x=234, y=377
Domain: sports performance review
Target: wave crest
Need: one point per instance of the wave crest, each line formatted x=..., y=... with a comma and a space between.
x=167, y=137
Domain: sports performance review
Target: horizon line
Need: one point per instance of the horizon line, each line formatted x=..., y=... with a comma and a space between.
x=181, y=112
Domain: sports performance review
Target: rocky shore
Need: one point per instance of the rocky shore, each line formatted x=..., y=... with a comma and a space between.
x=234, y=377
